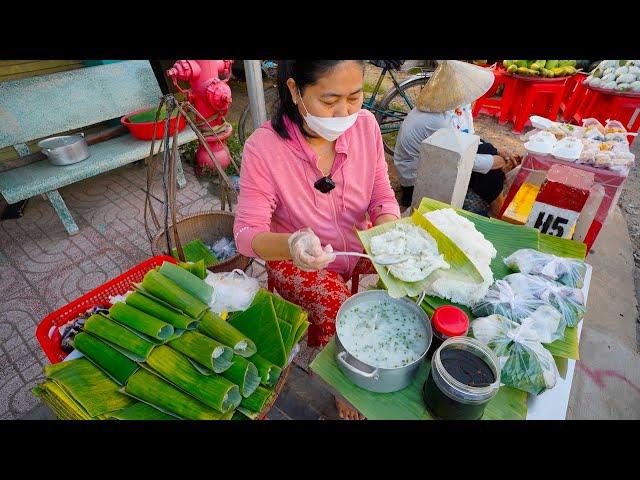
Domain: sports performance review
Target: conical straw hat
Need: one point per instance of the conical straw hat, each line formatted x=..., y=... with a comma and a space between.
x=453, y=84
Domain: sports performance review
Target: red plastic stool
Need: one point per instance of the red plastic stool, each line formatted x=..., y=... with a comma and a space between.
x=530, y=93
x=487, y=104
x=572, y=84
x=572, y=106
x=625, y=109
x=512, y=88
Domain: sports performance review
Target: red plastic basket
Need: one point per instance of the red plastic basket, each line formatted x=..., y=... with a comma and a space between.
x=98, y=297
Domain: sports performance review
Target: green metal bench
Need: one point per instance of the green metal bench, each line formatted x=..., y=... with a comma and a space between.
x=40, y=107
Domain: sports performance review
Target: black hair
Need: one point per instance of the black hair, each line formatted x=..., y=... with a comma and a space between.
x=304, y=72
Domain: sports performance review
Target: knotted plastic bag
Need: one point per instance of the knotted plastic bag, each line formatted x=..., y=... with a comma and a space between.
x=502, y=300
x=525, y=363
x=568, y=271
x=232, y=291
x=568, y=301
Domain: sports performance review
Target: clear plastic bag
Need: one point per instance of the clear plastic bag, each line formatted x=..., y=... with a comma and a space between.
x=525, y=363
x=568, y=271
x=232, y=291
x=501, y=299
x=568, y=301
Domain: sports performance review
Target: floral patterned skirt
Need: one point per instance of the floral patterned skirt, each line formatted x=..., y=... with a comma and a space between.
x=320, y=293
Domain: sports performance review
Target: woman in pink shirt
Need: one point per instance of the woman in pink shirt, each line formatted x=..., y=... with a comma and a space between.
x=309, y=179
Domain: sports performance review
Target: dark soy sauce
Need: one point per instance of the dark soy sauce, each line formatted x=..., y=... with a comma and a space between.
x=467, y=368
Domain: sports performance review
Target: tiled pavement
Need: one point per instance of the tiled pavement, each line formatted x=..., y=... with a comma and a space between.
x=42, y=268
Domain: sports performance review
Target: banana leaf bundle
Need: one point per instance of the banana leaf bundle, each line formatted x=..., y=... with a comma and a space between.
x=60, y=402
x=118, y=366
x=215, y=327
x=140, y=411
x=260, y=324
x=257, y=400
x=287, y=312
x=149, y=388
x=269, y=373
x=91, y=388
x=244, y=374
x=197, y=268
x=204, y=350
x=214, y=391
x=117, y=334
x=196, y=250
x=167, y=290
x=140, y=321
x=187, y=281
x=161, y=310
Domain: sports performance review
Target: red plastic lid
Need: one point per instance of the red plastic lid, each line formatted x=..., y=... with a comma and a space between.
x=450, y=321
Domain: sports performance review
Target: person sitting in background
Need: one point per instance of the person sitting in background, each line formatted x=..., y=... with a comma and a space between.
x=445, y=102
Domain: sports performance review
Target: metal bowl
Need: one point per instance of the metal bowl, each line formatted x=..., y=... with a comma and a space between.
x=66, y=149
x=369, y=377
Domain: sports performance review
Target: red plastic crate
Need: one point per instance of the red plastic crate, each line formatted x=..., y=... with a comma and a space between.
x=98, y=297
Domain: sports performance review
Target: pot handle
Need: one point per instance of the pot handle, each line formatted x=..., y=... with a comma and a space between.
x=353, y=369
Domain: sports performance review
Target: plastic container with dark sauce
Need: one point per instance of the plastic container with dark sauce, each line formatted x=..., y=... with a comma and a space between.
x=464, y=377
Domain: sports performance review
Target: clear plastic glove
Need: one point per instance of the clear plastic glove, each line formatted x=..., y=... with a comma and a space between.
x=307, y=252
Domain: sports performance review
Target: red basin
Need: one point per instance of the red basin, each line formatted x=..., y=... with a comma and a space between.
x=144, y=130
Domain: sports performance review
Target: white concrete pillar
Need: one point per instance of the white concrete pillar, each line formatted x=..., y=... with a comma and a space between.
x=444, y=169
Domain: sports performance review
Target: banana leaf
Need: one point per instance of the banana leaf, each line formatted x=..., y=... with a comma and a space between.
x=197, y=268
x=287, y=311
x=461, y=265
x=140, y=321
x=161, y=310
x=216, y=328
x=108, y=359
x=408, y=403
x=140, y=411
x=257, y=400
x=114, y=333
x=187, y=281
x=149, y=388
x=395, y=287
x=204, y=350
x=269, y=373
x=238, y=415
x=244, y=374
x=88, y=385
x=214, y=391
x=167, y=290
x=287, y=336
x=260, y=324
x=150, y=115
x=60, y=402
x=196, y=250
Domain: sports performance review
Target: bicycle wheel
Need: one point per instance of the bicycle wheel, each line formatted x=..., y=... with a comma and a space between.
x=245, y=123
x=394, y=107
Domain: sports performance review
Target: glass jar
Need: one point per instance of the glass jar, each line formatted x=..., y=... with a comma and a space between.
x=464, y=377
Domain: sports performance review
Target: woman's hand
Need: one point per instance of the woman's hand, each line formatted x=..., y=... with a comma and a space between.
x=307, y=252
x=512, y=160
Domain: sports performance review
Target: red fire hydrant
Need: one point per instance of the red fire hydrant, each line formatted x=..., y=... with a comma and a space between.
x=211, y=96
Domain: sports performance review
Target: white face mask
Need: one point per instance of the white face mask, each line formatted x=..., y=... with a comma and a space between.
x=328, y=128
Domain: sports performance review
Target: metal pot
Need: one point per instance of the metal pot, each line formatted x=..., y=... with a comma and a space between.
x=376, y=379
x=66, y=149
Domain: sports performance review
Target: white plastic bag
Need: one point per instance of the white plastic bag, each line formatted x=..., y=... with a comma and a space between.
x=524, y=362
x=232, y=291
x=501, y=299
x=568, y=301
x=568, y=271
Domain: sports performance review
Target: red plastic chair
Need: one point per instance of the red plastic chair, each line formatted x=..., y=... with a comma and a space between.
x=487, y=104
x=572, y=84
x=529, y=94
x=573, y=104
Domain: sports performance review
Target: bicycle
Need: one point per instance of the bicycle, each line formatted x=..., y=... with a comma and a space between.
x=389, y=112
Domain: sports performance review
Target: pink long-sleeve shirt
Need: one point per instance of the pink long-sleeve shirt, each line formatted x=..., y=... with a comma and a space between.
x=277, y=193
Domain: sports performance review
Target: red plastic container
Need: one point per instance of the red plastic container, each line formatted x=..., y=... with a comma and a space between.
x=144, y=130
x=95, y=298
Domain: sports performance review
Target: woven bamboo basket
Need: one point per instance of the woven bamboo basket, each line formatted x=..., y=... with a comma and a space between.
x=208, y=227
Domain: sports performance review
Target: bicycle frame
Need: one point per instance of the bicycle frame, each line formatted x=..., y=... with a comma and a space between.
x=390, y=116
